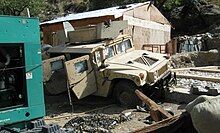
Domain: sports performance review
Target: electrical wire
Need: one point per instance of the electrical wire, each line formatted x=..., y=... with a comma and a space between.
x=20, y=67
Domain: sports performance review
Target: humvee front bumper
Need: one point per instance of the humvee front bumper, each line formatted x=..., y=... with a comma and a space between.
x=165, y=81
x=157, y=90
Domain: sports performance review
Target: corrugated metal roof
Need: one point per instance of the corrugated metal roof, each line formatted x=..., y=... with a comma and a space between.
x=97, y=13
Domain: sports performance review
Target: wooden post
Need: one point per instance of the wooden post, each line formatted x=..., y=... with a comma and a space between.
x=154, y=108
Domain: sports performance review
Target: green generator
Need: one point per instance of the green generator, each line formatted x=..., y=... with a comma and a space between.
x=21, y=87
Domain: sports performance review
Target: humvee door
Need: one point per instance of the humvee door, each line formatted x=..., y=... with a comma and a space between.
x=54, y=75
x=81, y=76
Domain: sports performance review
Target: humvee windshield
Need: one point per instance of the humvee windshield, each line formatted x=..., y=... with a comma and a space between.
x=123, y=46
x=109, y=52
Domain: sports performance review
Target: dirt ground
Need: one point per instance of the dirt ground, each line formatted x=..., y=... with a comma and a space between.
x=60, y=112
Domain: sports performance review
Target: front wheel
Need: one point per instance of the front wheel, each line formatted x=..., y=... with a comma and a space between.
x=124, y=93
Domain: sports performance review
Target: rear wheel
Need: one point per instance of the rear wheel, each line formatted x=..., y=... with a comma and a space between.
x=124, y=93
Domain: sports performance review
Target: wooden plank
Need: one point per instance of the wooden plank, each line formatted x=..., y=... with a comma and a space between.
x=147, y=24
x=190, y=76
x=155, y=115
x=188, y=68
x=152, y=104
x=157, y=125
x=156, y=15
x=141, y=12
x=140, y=36
x=207, y=70
x=128, y=30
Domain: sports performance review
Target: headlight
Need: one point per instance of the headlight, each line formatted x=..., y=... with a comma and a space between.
x=155, y=75
x=141, y=75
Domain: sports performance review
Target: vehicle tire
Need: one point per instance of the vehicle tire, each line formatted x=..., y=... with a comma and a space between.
x=124, y=94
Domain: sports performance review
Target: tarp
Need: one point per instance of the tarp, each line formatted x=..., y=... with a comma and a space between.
x=205, y=114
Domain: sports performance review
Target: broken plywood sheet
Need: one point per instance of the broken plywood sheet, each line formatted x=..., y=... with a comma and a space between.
x=146, y=23
x=156, y=37
x=156, y=15
x=129, y=30
x=142, y=12
x=144, y=36
x=141, y=36
x=167, y=36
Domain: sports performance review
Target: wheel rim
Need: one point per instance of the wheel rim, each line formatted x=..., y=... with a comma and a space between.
x=125, y=99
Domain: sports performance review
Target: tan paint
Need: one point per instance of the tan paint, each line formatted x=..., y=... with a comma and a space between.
x=47, y=67
x=98, y=80
x=83, y=84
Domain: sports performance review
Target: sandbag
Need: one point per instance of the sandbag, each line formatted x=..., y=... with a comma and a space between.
x=205, y=114
x=198, y=100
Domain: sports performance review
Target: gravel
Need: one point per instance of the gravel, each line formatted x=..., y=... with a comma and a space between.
x=100, y=123
x=187, y=83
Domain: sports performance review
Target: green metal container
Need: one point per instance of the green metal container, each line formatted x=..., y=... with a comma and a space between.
x=25, y=31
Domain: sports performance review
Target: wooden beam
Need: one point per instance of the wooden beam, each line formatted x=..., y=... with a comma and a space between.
x=155, y=115
x=157, y=125
x=207, y=70
x=203, y=78
x=188, y=68
x=153, y=107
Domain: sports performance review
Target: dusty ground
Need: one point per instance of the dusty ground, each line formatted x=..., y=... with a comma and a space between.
x=60, y=112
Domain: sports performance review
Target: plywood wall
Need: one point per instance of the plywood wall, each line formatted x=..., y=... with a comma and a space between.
x=147, y=26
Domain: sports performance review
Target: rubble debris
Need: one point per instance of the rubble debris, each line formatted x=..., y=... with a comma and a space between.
x=203, y=86
x=165, y=122
x=157, y=125
x=208, y=91
x=198, y=42
x=194, y=81
x=141, y=109
x=157, y=113
x=195, y=59
x=97, y=122
x=189, y=44
x=175, y=124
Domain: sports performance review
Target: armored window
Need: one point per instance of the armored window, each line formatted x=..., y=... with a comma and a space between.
x=57, y=65
x=124, y=46
x=81, y=66
x=109, y=52
x=98, y=56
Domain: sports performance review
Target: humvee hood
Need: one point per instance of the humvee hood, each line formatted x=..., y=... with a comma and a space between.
x=130, y=60
x=138, y=62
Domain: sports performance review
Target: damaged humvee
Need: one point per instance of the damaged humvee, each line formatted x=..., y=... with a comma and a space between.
x=109, y=66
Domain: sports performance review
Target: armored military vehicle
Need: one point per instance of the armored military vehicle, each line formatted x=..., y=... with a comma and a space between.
x=104, y=66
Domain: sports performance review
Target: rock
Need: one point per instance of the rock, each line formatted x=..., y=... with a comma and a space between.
x=197, y=58
x=96, y=122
